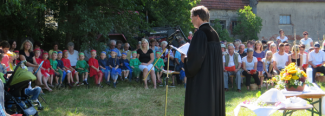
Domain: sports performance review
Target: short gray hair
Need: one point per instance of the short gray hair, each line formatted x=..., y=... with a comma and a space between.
x=250, y=50
x=126, y=44
x=242, y=45
x=112, y=41
x=236, y=43
x=230, y=45
x=164, y=42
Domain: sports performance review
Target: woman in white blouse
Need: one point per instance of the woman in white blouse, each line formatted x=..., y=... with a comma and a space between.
x=250, y=63
x=282, y=38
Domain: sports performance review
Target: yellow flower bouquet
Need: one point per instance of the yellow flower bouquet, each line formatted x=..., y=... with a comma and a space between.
x=291, y=78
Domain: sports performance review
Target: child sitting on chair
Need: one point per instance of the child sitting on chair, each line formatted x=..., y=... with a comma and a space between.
x=61, y=68
x=82, y=68
x=134, y=64
x=124, y=63
x=45, y=70
x=159, y=66
x=37, y=52
x=68, y=68
x=94, y=69
x=268, y=65
x=103, y=66
x=113, y=62
x=54, y=68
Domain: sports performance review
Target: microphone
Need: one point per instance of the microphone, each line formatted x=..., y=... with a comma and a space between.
x=171, y=37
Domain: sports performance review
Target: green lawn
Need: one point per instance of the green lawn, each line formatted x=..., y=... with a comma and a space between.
x=131, y=99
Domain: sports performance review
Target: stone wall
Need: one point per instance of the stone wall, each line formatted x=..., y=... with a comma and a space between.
x=227, y=15
x=305, y=16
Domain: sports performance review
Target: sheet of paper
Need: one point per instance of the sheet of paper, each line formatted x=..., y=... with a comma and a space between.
x=183, y=49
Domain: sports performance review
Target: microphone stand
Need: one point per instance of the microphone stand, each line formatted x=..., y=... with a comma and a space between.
x=169, y=40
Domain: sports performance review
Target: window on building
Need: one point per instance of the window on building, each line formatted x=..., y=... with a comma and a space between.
x=221, y=22
x=212, y=22
x=285, y=19
x=233, y=25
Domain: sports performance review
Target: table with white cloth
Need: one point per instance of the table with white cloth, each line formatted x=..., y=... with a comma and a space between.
x=289, y=101
x=312, y=94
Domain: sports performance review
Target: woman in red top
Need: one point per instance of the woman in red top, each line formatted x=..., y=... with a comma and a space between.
x=94, y=69
x=45, y=70
x=67, y=67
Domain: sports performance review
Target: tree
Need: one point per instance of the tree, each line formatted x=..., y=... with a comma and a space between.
x=21, y=19
x=81, y=21
x=169, y=13
x=249, y=25
x=223, y=33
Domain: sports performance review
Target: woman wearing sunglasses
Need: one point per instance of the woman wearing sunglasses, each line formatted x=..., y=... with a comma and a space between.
x=306, y=41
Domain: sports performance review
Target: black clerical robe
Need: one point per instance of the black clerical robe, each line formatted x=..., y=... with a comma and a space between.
x=204, y=71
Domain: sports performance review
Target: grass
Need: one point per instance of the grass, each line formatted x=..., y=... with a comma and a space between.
x=131, y=99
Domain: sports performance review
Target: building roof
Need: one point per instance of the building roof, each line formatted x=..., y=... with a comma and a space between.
x=291, y=0
x=224, y=4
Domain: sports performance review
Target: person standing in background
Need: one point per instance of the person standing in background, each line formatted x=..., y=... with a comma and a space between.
x=282, y=38
x=308, y=42
x=190, y=35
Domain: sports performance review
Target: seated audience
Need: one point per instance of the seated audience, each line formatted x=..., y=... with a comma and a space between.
x=273, y=48
x=55, y=48
x=237, y=45
x=304, y=56
x=296, y=57
x=317, y=60
x=268, y=65
x=5, y=60
x=26, y=53
x=287, y=48
x=13, y=45
x=281, y=59
x=282, y=38
x=250, y=67
x=241, y=51
x=250, y=44
x=146, y=57
x=111, y=47
x=259, y=54
x=232, y=63
x=308, y=42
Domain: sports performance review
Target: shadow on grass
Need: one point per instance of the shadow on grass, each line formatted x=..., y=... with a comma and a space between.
x=128, y=99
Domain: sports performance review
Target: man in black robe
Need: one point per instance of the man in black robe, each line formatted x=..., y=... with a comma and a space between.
x=204, y=70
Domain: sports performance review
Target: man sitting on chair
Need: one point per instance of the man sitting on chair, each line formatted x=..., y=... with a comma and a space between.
x=232, y=64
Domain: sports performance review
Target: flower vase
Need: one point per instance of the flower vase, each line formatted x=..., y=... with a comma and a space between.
x=299, y=88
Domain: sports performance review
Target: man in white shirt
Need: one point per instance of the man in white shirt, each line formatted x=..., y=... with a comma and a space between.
x=280, y=59
x=308, y=42
x=317, y=60
x=229, y=60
